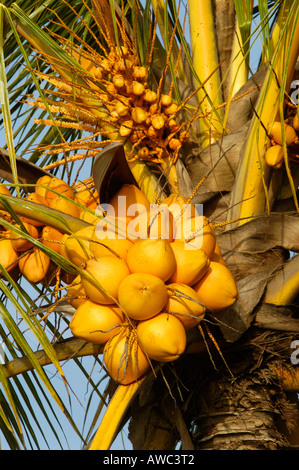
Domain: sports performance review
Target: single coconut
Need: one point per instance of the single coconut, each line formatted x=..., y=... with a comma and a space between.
x=76, y=294
x=34, y=265
x=101, y=278
x=191, y=265
x=200, y=236
x=56, y=187
x=123, y=357
x=96, y=323
x=41, y=185
x=19, y=242
x=162, y=337
x=51, y=237
x=276, y=133
x=67, y=206
x=274, y=156
x=185, y=304
x=153, y=257
x=75, y=247
x=142, y=295
x=128, y=201
x=8, y=255
x=217, y=288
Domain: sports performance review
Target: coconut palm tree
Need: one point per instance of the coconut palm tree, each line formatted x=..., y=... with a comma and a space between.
x=79, y=82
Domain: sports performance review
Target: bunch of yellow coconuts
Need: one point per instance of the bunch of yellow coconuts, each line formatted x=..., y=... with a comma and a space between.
x=141, y=289
x=143, y=279
x=274, y=155
x=17, y=253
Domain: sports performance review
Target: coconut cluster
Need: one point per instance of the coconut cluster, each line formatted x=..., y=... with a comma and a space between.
x=147, y=118
x=144, y=277
x=18, y=254
x=139, y=291
x=274, y=155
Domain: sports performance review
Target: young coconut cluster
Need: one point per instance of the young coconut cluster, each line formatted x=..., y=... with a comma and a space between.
x=18, y=254
x=140, y=290
x=131, y=109
x=274, y=155
x=145, y=117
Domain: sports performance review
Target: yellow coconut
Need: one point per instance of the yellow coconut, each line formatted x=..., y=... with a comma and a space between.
x=190, y=266
x=64, y=205
x=87, y=198
x=89, y=216
x=8, y=255
x=217, y=255
x=274, y=156
x=201, y=235
x=124, y=358
x=60, y=187
x=190, y=225
x=51, y=237
x=96, y=323
x=37, y=199
x=75, y=247
x=109, y=239
x=152, y=256
x=181, y=210
x=217, y=288
x=142, y=295
x=4, y=190
x=110, y=246
x=102, y=276
x=154, y=223
x=34, y=265
x=42, y=181
x=19, y=242
x=76, y=294
x=162, y=337
x=296, y=122
x=125, y=201
x=185, y=304
x=175, y=199
x=276, y=133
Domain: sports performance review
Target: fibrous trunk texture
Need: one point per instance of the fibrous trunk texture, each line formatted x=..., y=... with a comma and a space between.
x=239, y=415
x=205, y=402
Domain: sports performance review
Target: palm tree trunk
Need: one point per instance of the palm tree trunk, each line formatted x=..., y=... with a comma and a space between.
x=240, y=414
x=212, y=408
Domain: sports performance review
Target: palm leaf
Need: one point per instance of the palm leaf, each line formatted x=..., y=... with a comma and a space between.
x=253, y=188
x=113, y=416
x=42, y=214
x=205, y=63
x=5, y=104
